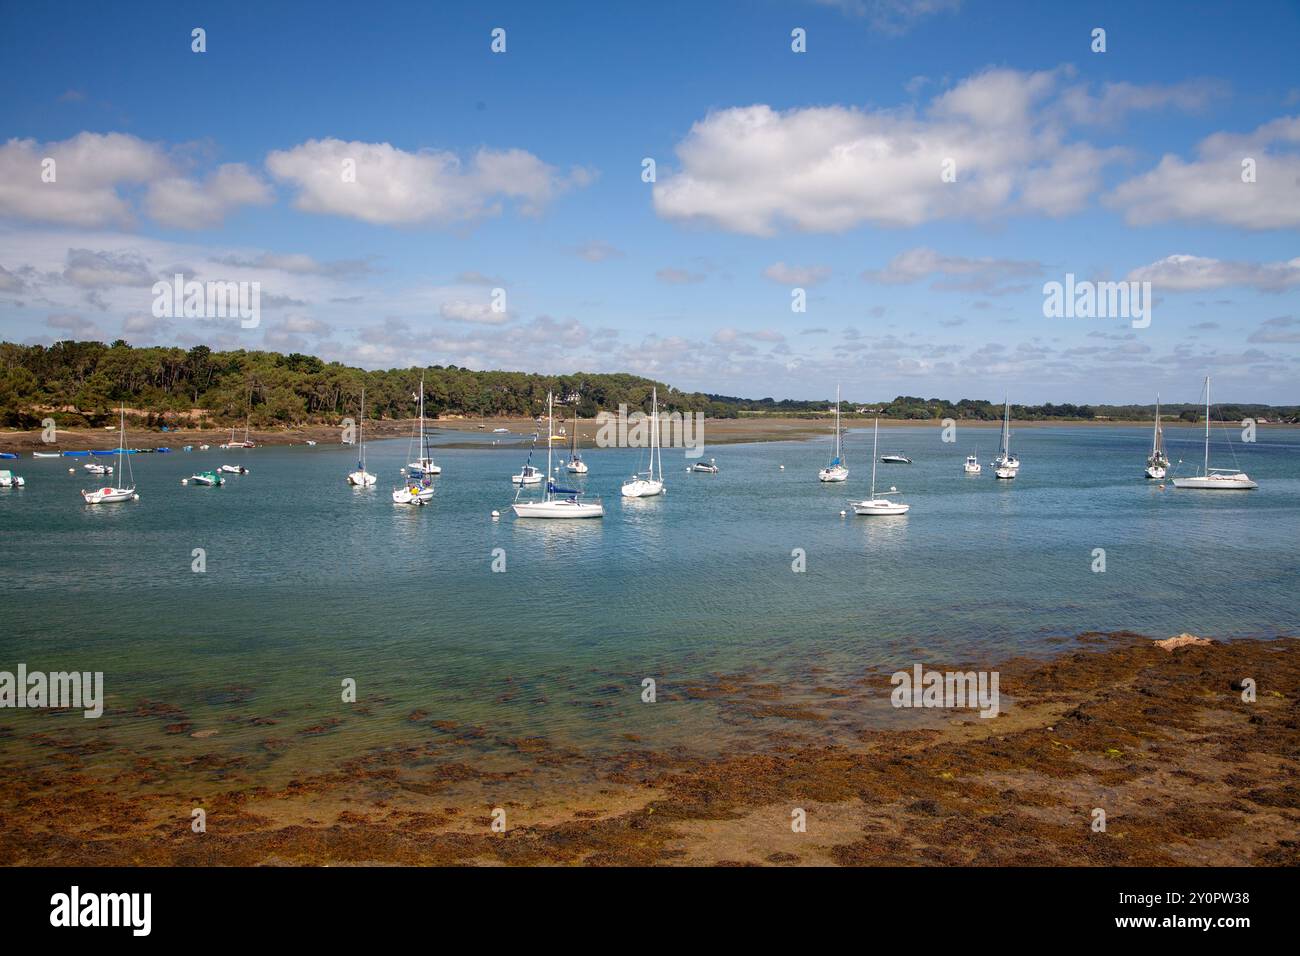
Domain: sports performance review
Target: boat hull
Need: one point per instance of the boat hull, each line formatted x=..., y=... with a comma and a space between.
x=558, y=509
x=105, y=496
x=833, y=474
x=409, y=496
x=879, y=506
x=361, y=479
x=1212, y=483
x=1155, y=471
x=642, y=488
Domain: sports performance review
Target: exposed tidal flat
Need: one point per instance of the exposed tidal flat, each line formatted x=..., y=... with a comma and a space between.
x=523, y=690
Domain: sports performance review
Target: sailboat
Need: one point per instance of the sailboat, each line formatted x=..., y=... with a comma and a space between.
x=423, y=465
x=361, y=478
x=1006, y=464
x=874, y=505
x=557, y=502
x=1216, y=479
x=575, y=465
x=645, y=484
x=1158, y=461
x=124, y=492
x=836, y=470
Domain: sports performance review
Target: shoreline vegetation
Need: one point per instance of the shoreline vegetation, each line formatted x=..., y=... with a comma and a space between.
x=196, y=393
x=1157, y=737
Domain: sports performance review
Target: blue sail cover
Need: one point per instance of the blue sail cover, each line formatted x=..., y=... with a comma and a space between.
x=835, y=463
x=556, y=490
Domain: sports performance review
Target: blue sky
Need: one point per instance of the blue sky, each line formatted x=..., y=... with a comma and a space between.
x=775, y=170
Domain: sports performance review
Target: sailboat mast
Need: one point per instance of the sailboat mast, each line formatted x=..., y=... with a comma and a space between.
x=550, y=431
x=838, y=454
x=361, y=428
x=1207, y=424
x=121, y=442
x=875, y=442
x=1155, y=433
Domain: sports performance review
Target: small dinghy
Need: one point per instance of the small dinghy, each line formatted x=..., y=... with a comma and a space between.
x=46, y=454
x=210, y=478
x=9, y=480
x=234, y=469
x=895, y=460
x=7, y=454
x=709, y=467
x=95, y=469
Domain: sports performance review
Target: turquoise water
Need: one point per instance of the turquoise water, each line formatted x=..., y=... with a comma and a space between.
x=309, y=581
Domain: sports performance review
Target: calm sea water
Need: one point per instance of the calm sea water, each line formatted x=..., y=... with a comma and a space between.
x=309, y=581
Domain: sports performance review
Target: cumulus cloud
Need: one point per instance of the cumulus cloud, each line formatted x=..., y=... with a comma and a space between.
x=1210, y=188
x=796, y=275
x=191, y=204
x=479, y=313
x=88, y=169
x=100, y=270
x=296, y=263
x=76, y=326
x=1284, y=328
x=1113, y=101
x=754, y=169
x=956, y=273
x=396, y=187
x=1184, y=273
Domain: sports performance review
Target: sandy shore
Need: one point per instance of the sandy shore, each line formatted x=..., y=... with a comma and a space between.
x=717, y=431
x=1186, y=771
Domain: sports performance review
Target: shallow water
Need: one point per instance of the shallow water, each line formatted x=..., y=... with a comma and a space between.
x=309, y=581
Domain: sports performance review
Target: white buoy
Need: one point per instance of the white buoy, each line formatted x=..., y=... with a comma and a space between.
x=843, y=513
x=72, y=471
x=782, y=467
x=185, y=481
x=496, y=515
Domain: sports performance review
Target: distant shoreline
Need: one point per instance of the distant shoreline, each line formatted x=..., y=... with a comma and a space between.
x=717, y=431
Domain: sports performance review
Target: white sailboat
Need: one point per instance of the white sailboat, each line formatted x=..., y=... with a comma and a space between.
x=874, y=505
x=836, y=470
x=1157, y=461
x=361, y=478
x=1006, y=465
x=557, y=502
x=424, y=464
x=645, y=484
x=124, y=492
x=1216, y=479
x=575, y=465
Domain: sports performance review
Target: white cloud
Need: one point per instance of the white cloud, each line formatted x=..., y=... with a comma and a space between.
x=89, y=169
x=479, y=313
x=957, y=273
x=1210, y=187
x=1283, y=329
x=1115, y=100
x=396, y=187
x=98, y=270
x=189, y=204
x=797, y=275
x=1184, y=273
x=754, y=169
x=76, y=327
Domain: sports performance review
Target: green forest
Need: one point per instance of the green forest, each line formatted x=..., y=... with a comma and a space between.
x=83, y=383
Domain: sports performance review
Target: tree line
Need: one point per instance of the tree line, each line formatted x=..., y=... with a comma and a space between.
x=83, y=383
